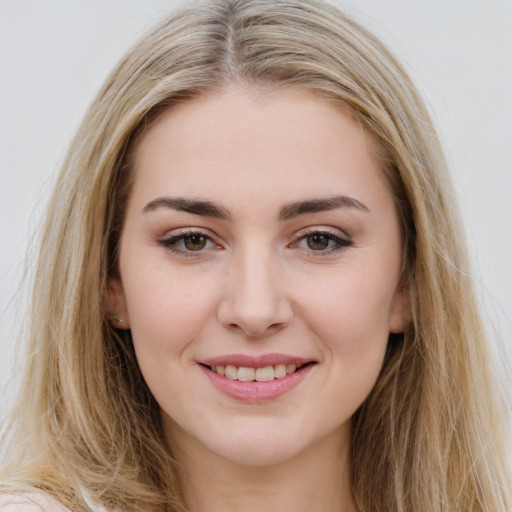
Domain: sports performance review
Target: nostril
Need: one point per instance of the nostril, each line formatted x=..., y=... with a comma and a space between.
x=254, y=308
x=254, y=331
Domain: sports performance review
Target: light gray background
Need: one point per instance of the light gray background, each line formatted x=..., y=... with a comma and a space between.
x=54, y=54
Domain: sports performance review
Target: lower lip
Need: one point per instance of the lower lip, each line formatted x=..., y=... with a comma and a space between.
x=254, y=392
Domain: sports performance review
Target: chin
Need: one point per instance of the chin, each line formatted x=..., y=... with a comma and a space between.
x=258, y=452
x=268, y=443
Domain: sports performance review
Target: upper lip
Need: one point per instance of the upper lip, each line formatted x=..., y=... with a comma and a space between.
x=255, y=361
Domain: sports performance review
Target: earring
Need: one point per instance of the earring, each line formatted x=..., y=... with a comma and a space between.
x=116, y=320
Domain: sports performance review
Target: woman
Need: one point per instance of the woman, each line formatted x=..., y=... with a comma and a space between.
x=252, y=290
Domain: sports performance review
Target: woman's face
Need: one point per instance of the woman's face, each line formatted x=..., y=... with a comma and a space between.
x=260, y=263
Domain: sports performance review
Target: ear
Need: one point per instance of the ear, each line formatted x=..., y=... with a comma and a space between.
x=400, y=313
x=116, y=305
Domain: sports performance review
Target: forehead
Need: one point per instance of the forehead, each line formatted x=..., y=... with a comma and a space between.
x=240, y=142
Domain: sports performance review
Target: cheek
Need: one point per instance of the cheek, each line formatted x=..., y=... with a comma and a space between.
x=167, y=314
x=350, y=321
x=167, y=310
x=351, y=311
x=349, y=316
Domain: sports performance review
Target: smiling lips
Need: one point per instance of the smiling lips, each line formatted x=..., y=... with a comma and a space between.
x=251, y=379
x=248, y=374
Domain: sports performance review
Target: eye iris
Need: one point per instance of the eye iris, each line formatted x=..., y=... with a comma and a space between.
x=318, y=242
x=195, y=242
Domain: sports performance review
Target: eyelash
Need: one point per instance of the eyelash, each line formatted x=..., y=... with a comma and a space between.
x=171, y=243
x=340, y=242
x=181, y=236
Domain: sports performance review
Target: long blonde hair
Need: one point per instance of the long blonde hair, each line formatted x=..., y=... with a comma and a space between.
x=430, y=437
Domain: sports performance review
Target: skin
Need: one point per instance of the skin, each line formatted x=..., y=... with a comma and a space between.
x=260, y=284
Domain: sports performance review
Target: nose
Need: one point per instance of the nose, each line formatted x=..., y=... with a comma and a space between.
x=255, y=300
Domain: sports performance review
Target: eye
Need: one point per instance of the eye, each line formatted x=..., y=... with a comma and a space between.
x=195, y=242
x=322, y=242
x=319, y=242
x=186, y=242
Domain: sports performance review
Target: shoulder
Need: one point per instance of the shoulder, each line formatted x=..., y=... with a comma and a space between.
x=33, y=502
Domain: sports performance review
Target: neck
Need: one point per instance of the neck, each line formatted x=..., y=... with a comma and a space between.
x=316, y=480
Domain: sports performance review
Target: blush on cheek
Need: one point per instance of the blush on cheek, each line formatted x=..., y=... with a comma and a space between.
x=352, y=319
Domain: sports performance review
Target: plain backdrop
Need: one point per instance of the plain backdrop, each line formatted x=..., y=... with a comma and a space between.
x=54, y=55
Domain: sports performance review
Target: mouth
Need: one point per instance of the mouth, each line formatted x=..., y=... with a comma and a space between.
x=256, y=380
x=259, y=374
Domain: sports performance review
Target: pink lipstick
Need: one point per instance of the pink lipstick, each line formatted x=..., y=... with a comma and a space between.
x=256, y=379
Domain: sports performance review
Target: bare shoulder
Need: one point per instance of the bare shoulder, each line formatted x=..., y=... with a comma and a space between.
x=33, y=502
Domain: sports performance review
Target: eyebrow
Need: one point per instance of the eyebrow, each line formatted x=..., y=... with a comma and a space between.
x=293, y=210
x=195, y=206
x=289, y=211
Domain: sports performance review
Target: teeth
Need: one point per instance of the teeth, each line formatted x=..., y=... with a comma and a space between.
x=290, y=368
x=231, y=372
x=279, y=371
x=247, y=374
x=265, y=374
